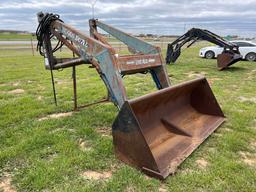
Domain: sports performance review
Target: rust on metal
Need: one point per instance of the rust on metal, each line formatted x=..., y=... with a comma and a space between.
x=224, y=60
x=136, y=63
x=155, y=132
x=104, y=100
x=166, y=126
x=65, y=63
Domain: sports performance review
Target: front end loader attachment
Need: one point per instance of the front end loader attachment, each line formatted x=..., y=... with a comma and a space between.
x=172, y=54
x=158, y=131
x=154, y=132
x=230, y=55
x=226, y=59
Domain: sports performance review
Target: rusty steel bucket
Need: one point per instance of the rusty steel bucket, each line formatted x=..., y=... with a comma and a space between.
x=226, y=59
x=158, y=131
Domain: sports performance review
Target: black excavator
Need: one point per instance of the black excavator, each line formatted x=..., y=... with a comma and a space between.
x=229, y=56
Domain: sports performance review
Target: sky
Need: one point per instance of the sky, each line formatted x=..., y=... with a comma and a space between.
x=164, y=17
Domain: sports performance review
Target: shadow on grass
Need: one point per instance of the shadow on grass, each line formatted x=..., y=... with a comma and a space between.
x=234, y=68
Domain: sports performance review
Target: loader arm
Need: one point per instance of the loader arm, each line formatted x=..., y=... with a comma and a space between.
x=196, y=34
x=96, y=51
x=131, y=41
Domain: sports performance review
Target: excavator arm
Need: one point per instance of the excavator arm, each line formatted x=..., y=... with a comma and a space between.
x=229, y=56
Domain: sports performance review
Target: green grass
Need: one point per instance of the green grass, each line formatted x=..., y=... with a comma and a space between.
x=14, y=36
x=45, y=155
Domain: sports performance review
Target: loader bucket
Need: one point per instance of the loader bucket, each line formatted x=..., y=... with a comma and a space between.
x=158, y=131
x=226, y=59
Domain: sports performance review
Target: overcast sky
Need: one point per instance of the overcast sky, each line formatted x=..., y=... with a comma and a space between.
x=138, y=16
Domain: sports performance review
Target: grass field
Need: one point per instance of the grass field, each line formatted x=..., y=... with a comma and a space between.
x=43, y=152
x=14, y=36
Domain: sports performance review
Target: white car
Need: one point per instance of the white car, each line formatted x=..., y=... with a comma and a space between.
x=246, y=48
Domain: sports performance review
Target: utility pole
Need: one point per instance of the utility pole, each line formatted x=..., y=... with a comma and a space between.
x=92, y=2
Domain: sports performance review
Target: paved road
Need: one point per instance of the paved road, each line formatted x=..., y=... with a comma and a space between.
x=17, y=42
x=35, y=42
x=14, y=45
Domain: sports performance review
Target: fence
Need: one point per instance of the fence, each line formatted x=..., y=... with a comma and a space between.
x=28, y=47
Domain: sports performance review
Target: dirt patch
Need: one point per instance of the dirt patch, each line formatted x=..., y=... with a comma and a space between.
x=245, y=99
x=253, y=145
x=16, y=91
x=218, y=134
x=104, y=131
x=61, y=82
x=41, y=88
x=84, y=145
x=186, y=171
x=130, y=189
x=202, y=163
x=39, y=98
x=147, y=177
x=51, y=156
x=3, y=84
x=215, y=79
x=162, y=188
x=30, y=81
x=56, y=116
x=94, y=175
x=251, y=75
x=212, y=80
x=57, y=130
x=115, y=166
x=195, y=74
x=211, y=149
x=227, y=130
x=253, y=124
x=16, y=84
x=239, y=110
x=6, y=186
x=248, y=158
x=250, y=161
x=71, y=130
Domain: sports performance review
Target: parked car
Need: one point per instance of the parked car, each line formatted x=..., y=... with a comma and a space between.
x=246, y=48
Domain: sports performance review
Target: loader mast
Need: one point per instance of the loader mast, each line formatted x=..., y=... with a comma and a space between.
x=229, y=56
x=145, y=57
x=96, y=51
